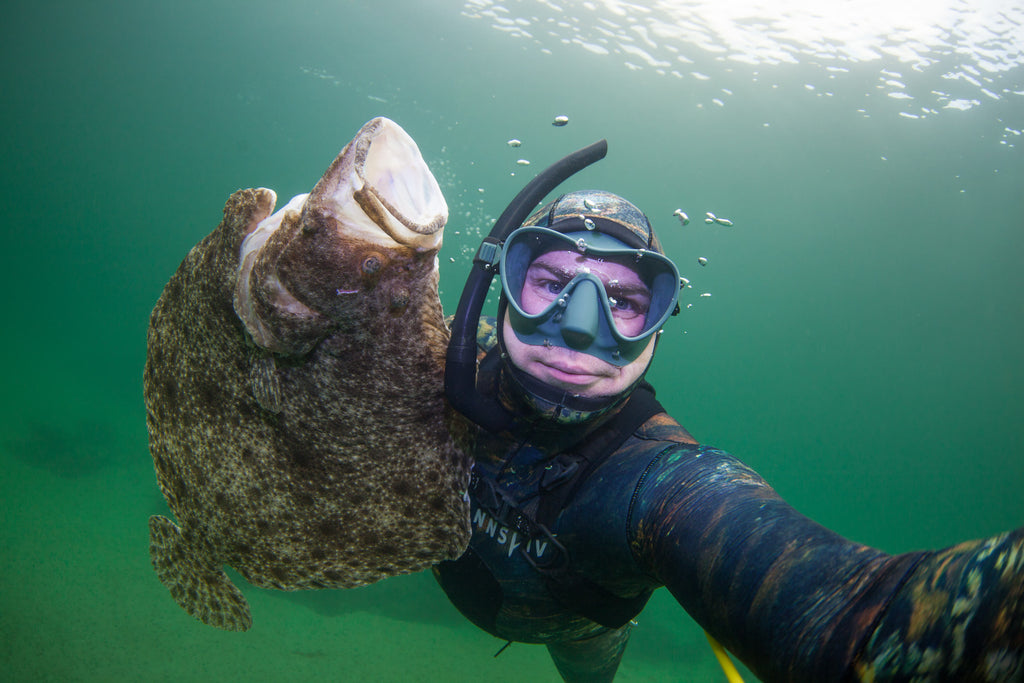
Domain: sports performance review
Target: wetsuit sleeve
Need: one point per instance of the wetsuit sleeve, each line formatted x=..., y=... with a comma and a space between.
x=961, y=613
x=797, y=602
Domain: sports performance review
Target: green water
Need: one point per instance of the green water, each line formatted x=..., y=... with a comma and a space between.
x=861, y=347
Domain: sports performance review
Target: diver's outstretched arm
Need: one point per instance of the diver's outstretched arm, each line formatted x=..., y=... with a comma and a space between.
x=797, y=602
x=960, y=612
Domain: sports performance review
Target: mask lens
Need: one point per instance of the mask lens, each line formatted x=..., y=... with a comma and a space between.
x=568, y=281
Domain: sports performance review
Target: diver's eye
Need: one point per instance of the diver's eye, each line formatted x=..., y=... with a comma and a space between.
x=553, y=286
x=627, y=301
x=628, y=306
x=541, y=288
x=546, y=283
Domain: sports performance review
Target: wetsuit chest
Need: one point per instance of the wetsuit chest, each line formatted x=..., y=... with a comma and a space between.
x=523, y=577
x=517, y=494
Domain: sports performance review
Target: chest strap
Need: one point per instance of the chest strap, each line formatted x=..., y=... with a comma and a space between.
x=569, y=470
x=557, y=487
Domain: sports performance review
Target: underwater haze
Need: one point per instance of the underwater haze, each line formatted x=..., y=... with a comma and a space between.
x=857, y=334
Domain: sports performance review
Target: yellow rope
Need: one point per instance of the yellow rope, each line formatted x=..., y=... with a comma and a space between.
x=731, y=674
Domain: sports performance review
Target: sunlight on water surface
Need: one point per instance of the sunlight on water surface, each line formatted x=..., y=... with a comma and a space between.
x=951, y=55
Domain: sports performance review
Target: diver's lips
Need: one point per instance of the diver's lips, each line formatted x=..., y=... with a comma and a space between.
x=571, y=375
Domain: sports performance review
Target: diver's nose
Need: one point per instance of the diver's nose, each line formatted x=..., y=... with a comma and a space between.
x=579, y=322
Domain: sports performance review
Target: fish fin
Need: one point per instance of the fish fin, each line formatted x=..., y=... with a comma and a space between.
x=246, y=208
x=199, y=586
x=266, y=385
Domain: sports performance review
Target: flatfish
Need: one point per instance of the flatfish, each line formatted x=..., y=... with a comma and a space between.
x=294, y=389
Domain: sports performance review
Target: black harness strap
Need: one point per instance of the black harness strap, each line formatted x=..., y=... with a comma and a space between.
x=557, y=487
x=571, y=587
x=593, y=451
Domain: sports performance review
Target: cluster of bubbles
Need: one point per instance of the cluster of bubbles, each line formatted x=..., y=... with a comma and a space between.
x=974, y=47
x=559, y=121
x=470, y=221
x=709, y=218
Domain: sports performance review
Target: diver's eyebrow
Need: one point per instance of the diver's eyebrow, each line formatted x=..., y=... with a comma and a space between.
x=566, y=274
x=556, y=271
x=617, y=286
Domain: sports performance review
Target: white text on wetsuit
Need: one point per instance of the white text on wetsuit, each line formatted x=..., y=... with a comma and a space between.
x=505, y=536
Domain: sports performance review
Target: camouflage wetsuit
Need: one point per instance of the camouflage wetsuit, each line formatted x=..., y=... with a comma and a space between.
x=793, y=600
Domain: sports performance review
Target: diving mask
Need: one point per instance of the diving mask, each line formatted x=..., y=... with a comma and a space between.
x=586, y=290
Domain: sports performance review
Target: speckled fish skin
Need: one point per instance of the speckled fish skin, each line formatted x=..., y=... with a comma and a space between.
x=294, y=390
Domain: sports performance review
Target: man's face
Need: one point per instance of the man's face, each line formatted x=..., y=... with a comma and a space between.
x=568, y=369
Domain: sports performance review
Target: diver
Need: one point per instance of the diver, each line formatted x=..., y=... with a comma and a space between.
x=586, y=496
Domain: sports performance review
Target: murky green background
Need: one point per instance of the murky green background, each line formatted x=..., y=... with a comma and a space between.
x=861, y=347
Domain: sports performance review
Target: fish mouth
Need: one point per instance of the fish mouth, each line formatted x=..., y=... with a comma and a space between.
x=380, y=188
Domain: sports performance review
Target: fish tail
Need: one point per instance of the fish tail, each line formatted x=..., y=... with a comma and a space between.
x=198, y=585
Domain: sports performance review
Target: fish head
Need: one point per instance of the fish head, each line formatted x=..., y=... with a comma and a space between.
x=363, y=241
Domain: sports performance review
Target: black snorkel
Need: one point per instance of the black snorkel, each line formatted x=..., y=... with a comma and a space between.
x=460, y=364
